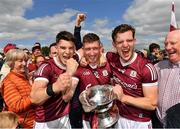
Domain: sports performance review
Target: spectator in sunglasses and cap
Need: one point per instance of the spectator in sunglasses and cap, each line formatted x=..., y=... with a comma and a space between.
x=36, y=51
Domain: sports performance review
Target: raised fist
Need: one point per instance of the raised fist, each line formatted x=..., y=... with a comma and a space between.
x=80, y=18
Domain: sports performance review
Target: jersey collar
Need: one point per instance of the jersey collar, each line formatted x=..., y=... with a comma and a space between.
x=57, y=62
x=130, y=61
x=93, y=66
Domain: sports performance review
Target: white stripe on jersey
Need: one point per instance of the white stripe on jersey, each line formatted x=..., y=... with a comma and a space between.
x=150, y=84
x=40, y=69
x=152, y=70
x=155, y=72
x=42, y=79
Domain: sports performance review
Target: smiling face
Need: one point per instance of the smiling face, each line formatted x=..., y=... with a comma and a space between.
x=172, y=46
x=92, y=52
x=65, y=50
x=17, y=60
x=124, y=43
x=20, y=66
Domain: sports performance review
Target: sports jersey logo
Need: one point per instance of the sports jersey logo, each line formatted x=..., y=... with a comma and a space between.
x=133, y=73
x=124, y=84
x=86, y=73
x=96, y=74
x=105, y=73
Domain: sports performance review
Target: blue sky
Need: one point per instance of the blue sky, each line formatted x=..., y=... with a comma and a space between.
x=25, y=23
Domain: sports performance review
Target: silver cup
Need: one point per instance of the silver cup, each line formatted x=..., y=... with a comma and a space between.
x=100, y=98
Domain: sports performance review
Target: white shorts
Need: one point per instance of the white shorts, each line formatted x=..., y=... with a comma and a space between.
x=60, y=123
x=124, y=123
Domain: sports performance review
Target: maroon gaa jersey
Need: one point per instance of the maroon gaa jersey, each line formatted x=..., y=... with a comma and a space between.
x=54, y=107
x=89, y=77
x=132, y=76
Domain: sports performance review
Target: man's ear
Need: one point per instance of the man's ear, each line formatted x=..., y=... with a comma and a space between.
x=114, y=44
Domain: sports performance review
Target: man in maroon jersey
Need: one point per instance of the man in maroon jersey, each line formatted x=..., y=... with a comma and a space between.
x=92, y=75
x=52, y=84
x=137, y=94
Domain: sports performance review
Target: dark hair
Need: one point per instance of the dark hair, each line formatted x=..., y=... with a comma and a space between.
x=121, y=29
x=52, y=44
x=65, y=35
x=91, y=37
x=153, y=46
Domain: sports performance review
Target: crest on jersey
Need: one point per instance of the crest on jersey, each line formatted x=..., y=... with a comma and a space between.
x=105, y=73
x=133, y=73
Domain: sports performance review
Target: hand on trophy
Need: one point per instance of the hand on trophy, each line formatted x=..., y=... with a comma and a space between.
x=118, y=91
x=85, y=102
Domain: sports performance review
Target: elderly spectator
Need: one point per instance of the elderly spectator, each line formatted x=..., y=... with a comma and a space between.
x=16, y=88
x=169, y=83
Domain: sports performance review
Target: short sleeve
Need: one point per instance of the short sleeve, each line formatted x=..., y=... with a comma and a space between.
x=149, y=75
x=43, y=72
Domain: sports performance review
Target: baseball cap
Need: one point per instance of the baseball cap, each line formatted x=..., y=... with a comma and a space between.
x=37, y=44
x=8, y=47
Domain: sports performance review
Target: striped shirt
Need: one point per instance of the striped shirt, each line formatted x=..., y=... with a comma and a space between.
x=15, y=91
x=169, y=86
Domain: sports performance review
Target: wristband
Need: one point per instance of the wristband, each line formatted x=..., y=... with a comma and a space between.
x=49, y=90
